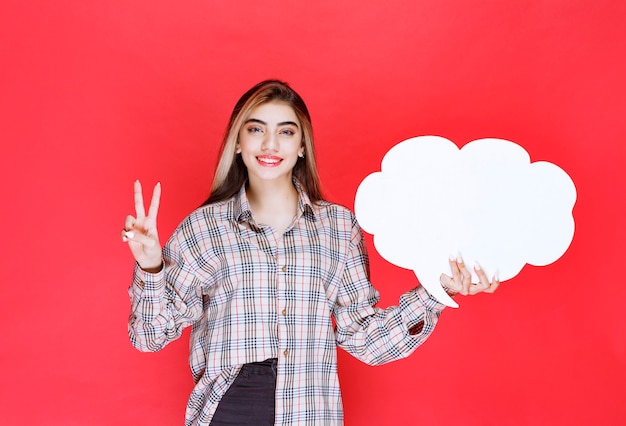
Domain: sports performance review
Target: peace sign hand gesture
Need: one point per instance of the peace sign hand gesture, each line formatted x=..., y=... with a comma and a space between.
x=141, y=232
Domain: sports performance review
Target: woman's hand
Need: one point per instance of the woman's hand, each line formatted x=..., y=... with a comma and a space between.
x=461, y=280
x=141, y=232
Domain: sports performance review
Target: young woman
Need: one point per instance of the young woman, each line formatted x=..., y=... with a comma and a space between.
x=271, y=277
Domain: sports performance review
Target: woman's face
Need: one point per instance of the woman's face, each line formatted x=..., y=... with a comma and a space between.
x=270, y=141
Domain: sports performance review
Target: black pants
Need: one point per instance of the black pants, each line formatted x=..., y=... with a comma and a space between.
x=250, y=400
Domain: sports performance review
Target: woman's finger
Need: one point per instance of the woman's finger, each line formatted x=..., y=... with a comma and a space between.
x=495, y=283
x=448, y=285
x=139, y=237
x=483, y=282
x=480, y=273
x=485, y=286
x=456, y=275
x=465, y=276
x=140, y=210
x=454, y=269
x=461, y=280
x=154, y=203
x=447, y=281
x=129, y=223
x=479, y=288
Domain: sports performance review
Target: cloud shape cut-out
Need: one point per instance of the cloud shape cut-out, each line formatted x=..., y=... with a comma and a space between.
x=486, y=202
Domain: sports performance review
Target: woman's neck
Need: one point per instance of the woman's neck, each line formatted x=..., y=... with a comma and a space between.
x=272, y=197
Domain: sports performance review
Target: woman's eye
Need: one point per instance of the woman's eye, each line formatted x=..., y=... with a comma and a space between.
x=288, y=132
x=254, y=129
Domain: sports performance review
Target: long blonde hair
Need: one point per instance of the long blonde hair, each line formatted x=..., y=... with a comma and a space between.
x=231, y=172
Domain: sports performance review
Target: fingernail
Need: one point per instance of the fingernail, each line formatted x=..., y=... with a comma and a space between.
x=476, y=266
x=459, y=259
x=452, y=258
x=130, y=234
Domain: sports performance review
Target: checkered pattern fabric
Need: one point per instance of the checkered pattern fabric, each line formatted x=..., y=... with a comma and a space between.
x=251, y=295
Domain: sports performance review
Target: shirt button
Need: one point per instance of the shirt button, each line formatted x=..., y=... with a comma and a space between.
x=284, y=268
x=286, y=352
x=284, y=312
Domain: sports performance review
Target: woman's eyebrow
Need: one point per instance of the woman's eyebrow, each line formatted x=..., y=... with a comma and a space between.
x=289, y=123
x=283, y=123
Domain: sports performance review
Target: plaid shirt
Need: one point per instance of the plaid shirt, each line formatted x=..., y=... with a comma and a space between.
x=251, y=295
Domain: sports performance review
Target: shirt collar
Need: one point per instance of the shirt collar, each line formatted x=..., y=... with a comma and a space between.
x=243, y=213
x=305, y=207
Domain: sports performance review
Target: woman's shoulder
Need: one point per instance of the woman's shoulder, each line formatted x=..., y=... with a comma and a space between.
x=334, y=210
x=218, y=207
x=206, y=217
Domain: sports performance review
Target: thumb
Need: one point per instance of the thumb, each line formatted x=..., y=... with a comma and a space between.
x=138, y=237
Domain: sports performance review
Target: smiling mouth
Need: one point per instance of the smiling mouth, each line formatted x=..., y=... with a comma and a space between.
x=269, y=161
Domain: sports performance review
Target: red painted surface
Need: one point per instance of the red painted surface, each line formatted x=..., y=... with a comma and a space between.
x=96, y=94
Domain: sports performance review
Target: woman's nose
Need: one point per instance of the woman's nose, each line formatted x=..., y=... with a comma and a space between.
x=270, y=142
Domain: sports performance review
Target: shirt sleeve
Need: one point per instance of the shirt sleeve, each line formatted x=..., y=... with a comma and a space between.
x=163, y=303
x=374, y=335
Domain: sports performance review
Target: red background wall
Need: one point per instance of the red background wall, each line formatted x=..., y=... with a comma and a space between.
x=96, y=94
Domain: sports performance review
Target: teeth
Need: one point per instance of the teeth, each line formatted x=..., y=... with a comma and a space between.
x=269, y=160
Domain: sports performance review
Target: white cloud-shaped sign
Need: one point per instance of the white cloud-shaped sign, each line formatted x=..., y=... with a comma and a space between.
x=486, y=202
